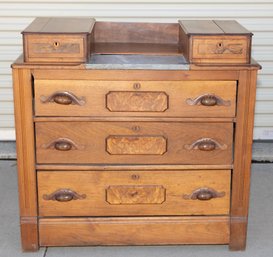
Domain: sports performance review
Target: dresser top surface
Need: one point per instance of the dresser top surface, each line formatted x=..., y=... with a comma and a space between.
x=137, y=61
x=217, y=27
x=44, y=25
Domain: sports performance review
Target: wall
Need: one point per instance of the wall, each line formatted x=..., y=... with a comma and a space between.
x=257, y=16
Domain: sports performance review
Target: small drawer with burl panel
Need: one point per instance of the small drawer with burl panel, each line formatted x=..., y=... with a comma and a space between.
x=44, y=43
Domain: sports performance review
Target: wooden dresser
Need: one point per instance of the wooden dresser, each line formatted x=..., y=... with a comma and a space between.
x=134, y=133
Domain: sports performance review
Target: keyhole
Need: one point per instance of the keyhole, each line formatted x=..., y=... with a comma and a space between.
x=220, y=44
x=56, y=44
x=135, y=177
x=136, y=128
x=137, y=86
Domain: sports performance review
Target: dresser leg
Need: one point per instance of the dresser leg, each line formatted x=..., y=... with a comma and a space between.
x=238, y=233
x=29, y=234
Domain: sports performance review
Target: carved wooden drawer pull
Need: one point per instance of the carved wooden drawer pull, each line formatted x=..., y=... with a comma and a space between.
x=204, y=194
x=64, y=195
x=208, y=100
x=206, y=144
x=64, y=98
x=61, y=144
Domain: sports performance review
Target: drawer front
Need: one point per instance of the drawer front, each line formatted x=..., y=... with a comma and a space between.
x=136, y=193
x=60, y=48
x=144, y=98
x=134, y=231
x=134, y=142
x=220, y=49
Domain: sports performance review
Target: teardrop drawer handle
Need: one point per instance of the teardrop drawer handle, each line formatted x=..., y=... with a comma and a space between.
x=63, y=98
x=62, y=144
x=208, y=100
x=205, y=144
x=204, y=194
x=64, y=195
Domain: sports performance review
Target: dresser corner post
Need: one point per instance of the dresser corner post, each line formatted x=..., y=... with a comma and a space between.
x=242, y=159
x=29, y=234
x=25, y=147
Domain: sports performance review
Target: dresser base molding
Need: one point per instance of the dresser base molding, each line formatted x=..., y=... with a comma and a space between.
x=134, y=231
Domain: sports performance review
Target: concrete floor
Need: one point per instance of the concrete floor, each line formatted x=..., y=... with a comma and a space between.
x=260, y=232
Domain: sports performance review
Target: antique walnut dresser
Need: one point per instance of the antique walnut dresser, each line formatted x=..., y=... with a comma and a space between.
x=134, y=133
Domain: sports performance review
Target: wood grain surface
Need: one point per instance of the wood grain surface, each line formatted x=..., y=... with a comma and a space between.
x=89, y=142
x=122, y=98
x=129, y=189
x=134, y=231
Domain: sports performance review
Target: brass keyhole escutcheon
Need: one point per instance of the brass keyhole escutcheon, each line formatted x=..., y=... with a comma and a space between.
x=137, y=86
x=135, y=177
x=136, y=128
x=56, y=44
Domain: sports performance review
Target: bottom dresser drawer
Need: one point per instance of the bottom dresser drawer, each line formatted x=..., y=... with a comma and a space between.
x=134, y=231
x=133, y=193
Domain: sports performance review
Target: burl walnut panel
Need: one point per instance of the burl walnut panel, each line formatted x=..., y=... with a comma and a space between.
x=150, y=194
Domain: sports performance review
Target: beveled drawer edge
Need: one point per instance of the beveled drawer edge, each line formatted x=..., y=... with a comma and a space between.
x=87, y=167
x=131, y=118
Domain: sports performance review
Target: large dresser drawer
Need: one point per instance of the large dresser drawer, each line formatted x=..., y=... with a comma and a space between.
x=133, y=143
x=136, y=193
x=134, y=231
x=129, y=98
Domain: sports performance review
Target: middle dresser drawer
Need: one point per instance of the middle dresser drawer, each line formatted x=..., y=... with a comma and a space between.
x=129, y=98
x=134, y=143
x=137, y=193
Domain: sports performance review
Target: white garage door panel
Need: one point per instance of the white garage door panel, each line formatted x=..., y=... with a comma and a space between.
x=255, y=15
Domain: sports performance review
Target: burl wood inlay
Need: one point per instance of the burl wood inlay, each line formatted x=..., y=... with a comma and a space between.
x=55, y=48
x=153, y=194
x=131, y=101
x=221, y=48
x=136, y=145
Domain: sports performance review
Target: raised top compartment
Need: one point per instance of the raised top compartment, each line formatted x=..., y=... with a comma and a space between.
x=76, y=40
x=209, y=41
